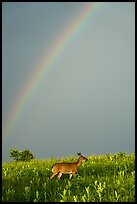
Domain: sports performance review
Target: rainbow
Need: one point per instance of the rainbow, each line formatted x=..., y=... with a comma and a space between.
x=46, y=63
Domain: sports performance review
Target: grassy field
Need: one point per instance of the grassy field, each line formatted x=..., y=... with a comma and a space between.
x=103, y=178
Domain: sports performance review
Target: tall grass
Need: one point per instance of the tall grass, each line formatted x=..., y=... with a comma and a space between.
x=104, y=178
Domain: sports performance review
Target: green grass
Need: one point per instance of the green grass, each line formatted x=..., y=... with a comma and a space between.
x=105, y=178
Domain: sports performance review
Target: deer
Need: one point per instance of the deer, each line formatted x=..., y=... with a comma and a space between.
x=67, y=168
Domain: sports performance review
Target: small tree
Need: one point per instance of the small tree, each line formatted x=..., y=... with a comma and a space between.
x=26, y=155
x=17, y=155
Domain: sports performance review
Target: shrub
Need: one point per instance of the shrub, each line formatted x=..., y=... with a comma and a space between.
x=17, y=155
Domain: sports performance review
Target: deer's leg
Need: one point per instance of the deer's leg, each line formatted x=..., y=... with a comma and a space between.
x=70, y=176
x=73, y=173
x=51, y=177
x=59, y=175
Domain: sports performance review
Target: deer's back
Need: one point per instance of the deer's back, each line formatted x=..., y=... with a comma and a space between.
x=65, y=167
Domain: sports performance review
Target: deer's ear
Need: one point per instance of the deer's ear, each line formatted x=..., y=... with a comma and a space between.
x=78, y=153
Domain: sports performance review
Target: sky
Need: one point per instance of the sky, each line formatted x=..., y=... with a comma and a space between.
x=84, y=100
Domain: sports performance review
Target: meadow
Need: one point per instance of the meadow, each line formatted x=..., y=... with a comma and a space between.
x=103, y=178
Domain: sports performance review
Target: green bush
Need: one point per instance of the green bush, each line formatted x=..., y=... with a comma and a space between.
x=17, y=155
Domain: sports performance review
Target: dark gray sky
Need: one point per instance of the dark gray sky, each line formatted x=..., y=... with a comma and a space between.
x=86, y=103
